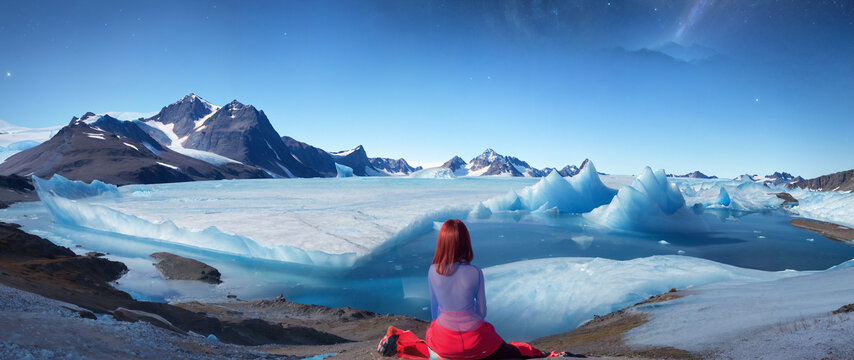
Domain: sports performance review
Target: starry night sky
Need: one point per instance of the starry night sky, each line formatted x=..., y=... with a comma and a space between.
x=725, y=87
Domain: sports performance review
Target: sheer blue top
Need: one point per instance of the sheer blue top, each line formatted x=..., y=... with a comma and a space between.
x=457, y=300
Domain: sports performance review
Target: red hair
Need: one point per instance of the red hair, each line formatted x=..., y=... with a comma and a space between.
x=452, y=246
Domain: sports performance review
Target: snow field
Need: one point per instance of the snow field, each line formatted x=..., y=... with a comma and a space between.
x=745, y=314
x=558, y=294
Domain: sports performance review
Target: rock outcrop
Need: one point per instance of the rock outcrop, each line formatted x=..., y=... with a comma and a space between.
x=174, y=267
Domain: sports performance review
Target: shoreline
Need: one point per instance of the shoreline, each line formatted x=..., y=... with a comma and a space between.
x=829, y=230
x=42, y=268
x=37, y=268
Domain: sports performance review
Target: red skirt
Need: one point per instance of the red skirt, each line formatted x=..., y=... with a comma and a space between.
x=453, y=345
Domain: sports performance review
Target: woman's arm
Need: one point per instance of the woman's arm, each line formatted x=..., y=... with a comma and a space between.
x=434, y=304
x=480, y=298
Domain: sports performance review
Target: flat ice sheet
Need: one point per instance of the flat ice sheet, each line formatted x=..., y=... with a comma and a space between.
x=331, y=215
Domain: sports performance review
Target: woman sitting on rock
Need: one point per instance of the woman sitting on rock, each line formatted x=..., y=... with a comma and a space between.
x=458, y=305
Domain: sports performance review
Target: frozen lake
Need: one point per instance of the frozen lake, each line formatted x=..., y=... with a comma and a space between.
x=370, y=240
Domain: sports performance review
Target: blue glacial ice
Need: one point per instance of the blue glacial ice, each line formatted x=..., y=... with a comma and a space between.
x=651, y=203
x=730, y=194
x=73, y=189
x=81, y=214
x=343, y=170
x=558, y=294
x=723, y=198
x=578, y=194
x=16, y=147
x=323, y=222
x=433, y=173
x=832, y=206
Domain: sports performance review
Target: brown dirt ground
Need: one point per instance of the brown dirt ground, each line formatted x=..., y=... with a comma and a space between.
x=829, y=230
x=603, y=336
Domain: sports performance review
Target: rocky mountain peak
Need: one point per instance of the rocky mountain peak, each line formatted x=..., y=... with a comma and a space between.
x=455, y=163
x=184, y=113
x=485, y=159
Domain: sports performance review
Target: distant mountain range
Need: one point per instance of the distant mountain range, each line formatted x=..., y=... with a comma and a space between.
x=193, y=139
x=776, y=178
x=694, y=175
x=491, y=163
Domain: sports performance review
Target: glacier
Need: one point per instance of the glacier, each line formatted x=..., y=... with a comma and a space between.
x=746, y=196
x=327, y=222
x=74, y=213
x=556, y=295
x=343, y=170
x=578, y=194
x=16, y=147
x=309, y=238
x=832, y=206
x=651, y=204
x=60, y=186
x=433, y=173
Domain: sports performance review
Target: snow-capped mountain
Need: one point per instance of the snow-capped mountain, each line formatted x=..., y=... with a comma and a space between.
x=746, y=177
x=236, y=131
x=776, y=178
x=457, y=165
x=357, y=159
x=185, y=115
x=695, y=175
x=83, y=150
x=394, y=167
x=493, y=163
x=569, y=170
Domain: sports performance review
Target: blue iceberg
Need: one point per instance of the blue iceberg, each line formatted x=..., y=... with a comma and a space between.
x=651, y=203
x=72, y=189
x=578, y=194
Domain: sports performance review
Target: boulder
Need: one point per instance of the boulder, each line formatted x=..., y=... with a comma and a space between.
x=174, y=267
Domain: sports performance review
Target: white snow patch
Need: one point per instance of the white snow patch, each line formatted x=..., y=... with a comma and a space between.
x=11, y=134
x=131, y=146
x=287, y=171
x=173, y=167
x=344, y=153
x=176, y=146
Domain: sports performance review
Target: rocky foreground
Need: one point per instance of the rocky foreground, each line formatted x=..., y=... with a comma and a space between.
x=58, y=304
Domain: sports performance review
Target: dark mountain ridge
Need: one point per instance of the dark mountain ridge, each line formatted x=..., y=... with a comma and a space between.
x=839, y=181
x=83, y=151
